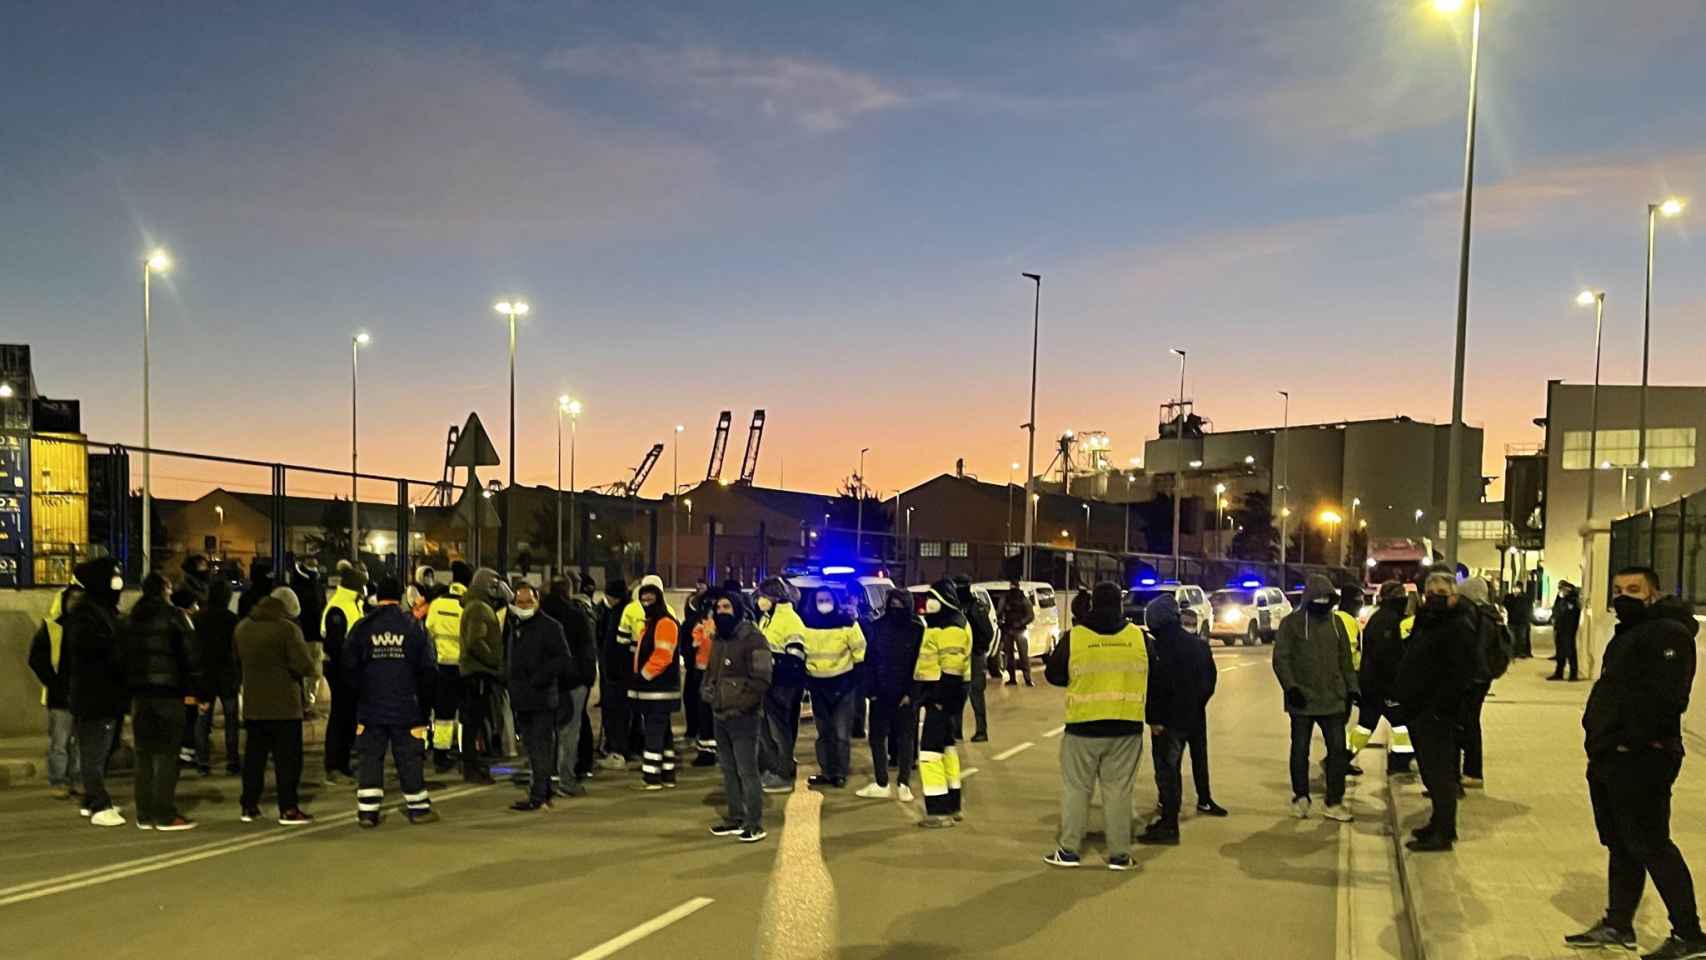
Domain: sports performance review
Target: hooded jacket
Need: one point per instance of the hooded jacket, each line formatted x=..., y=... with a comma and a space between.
x=891, y=655
x=1439, y=663
x=657, y=669
x=47, y=651
x=580, y=632
x=275, y=661
x=311, y=597
x=615, y=659
x=835, y=645
x=1180, y=683
x=387, y=660
x=92, y=656
x=159, y=654
x=1643, y=686
x=737, y=674
x=784, y=632
x=539, y=663
x=481, y=636
x=215, y=641
x=1312, y=656
x=946, y=649
x=1383, y=643
x=977, y=618
x=1566, y=614
x=1016, y=612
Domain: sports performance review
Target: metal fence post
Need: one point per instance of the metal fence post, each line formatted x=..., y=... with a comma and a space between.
x=404, y=534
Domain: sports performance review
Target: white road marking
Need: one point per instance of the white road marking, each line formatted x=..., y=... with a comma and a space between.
x=645, y=930
x=36, y=890
x=1011, y=751
x=1057, y=731
x=967, y=772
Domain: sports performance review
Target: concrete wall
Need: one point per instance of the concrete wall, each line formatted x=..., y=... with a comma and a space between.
x=21, y=612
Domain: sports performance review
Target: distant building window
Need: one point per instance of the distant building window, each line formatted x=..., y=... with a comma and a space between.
x=929, y=548
x=957, y=549
x=1490, y=530
x=1666, y=447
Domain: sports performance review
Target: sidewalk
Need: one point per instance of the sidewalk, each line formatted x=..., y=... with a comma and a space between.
x=1528, y=867
x=23, y=760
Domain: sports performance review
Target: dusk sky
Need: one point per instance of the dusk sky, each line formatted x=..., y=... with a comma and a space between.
x=823, y=210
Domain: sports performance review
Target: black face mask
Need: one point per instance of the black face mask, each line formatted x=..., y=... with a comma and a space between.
x=1436, y=603
x=1629, y=609
x=1320, y=607
x=725, y=623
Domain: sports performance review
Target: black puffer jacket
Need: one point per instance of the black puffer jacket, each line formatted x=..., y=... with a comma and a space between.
x=1382, y=651
x=737, y=675
x=215, y=643
x=1643, y=687
x=580, y=631
x=1438, y=664
x=159, y=652
x=978, y=619
x=891, y=651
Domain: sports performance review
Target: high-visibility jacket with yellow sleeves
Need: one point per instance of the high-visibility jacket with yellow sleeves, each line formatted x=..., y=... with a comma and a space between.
x=55, y=634
x=833, y=651
x=1109, y=675
x=444, y=625
x=945, y=652
x=782, y=628
x=1353, y=632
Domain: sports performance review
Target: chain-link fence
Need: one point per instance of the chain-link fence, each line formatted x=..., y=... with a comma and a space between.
x=1672, y=540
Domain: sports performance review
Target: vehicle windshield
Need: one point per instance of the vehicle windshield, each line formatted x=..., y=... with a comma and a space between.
x=876, y=594
x=1045, y=598
x=1139, y=598
x=1221, y=598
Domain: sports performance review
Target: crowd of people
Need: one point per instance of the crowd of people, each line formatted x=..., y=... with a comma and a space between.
x=427, y=672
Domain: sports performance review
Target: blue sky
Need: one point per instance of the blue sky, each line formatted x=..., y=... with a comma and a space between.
x=823, y=210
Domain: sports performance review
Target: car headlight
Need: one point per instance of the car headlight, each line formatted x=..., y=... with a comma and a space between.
x=1231, y=615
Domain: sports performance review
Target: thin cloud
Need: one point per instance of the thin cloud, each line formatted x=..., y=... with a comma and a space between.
x=811, y=94
x=1594, y=188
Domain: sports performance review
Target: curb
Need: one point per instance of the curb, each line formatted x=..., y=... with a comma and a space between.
x=17, y=773
x=1418, y=945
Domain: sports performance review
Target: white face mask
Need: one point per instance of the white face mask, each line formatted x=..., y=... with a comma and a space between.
x=117, y=583
x=765, y=603
x=932, y=605
x=826, y=606
x=525, y=613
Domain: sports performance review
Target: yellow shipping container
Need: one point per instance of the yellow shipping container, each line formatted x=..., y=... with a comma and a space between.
x=59, y=504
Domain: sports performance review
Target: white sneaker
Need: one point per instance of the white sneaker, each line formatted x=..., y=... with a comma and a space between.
x=110, y=817
x=874, y=791
x=903, y=793
x=84, y=812
x=1337, y=811
x=1300, y=808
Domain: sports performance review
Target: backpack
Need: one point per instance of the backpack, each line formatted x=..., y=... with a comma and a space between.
x=1494, y=643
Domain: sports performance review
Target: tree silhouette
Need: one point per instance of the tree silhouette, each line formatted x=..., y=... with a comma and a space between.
x=1256, y=538
x=331, y=544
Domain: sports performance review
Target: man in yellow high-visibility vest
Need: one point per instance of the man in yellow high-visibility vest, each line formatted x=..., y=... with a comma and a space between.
x=1103, y=663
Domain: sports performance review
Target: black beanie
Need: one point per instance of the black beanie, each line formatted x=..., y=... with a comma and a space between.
x=389, y=588
x=461, y=572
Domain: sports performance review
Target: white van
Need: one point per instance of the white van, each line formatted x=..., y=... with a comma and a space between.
x=1044, y=631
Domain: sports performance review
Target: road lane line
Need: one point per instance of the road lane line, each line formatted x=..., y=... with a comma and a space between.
x=1011, y=751
x=131, y=868
x=966, y=773
x=1057, y=731
x=645, y=930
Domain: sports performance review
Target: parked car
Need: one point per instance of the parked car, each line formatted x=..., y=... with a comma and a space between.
x=1044, y=631
x=1251, y=614
x=1188, y=596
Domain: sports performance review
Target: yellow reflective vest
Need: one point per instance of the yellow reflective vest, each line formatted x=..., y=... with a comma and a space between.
x=444, y=625
x=782, y=627
x=946, y=651
x=1109, y=675
x=55, y=634
x=833, y=651
x=349, y=603
x=1353, y=632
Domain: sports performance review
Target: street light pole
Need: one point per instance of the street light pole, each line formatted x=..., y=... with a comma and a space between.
x=562, y=408
x=356, y=342
x=1454, y=458
x=859, y=523
x=1010, y=469
x=510, y=309
x=1285, y=474
x=674, y=509
x=1178, y=463
x=574, y=409
x=1669, y=208
x=1031, y=426
x=156, y=262
x=1219, y=510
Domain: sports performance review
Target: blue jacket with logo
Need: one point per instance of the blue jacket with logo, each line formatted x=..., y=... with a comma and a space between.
x=389, y=661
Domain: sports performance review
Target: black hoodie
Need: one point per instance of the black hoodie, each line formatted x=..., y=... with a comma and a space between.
x=1643, y=685
x=91, y=652
x=891, y=655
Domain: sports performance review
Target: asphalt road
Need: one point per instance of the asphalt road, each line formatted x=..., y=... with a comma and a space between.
x=486, y=882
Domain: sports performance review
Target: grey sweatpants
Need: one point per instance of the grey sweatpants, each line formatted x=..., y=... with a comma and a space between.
x=1086, y=761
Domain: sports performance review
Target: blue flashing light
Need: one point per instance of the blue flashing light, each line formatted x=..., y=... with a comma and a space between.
x=1249, y=584
x=1147, y=582
x=837, y=571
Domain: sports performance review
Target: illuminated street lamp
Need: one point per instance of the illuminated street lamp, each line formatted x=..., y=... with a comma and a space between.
x=1668, y=208
x=5, y=391
x=565, y=405
x=1332, y=519
x=156, y=262
x=1031, y=425
x=511, y=309
x=1595, y=299
x=356, y=342
x=1219, y=513
x=1454, y=458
